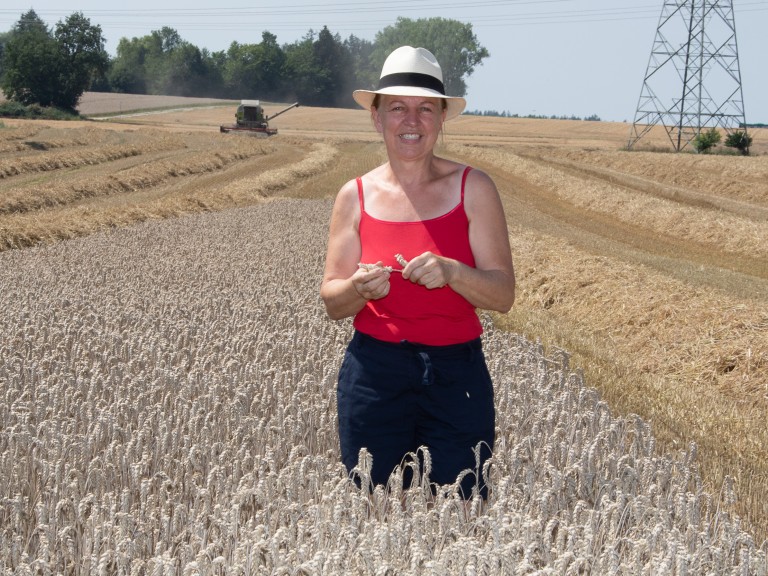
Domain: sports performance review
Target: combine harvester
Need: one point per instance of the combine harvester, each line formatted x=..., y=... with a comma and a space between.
x=250, y=119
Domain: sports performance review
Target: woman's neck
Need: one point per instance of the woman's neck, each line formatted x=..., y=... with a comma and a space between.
x=414, y=174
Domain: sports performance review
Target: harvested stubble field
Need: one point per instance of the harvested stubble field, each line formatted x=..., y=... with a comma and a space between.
x=168, y=383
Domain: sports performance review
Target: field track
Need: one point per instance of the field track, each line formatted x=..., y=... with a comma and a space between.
x=651, y=269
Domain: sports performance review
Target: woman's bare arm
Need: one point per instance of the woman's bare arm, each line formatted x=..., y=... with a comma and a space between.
x=345, y=287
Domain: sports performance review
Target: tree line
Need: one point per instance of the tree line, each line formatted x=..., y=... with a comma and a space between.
x=54, y=67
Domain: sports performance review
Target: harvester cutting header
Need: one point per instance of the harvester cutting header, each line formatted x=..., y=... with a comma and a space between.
x=250, y=118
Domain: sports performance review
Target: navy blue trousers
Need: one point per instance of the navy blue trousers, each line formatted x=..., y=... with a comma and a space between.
x=394, y=398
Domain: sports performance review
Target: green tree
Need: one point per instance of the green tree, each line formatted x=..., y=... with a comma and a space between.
x=236, y=67
x=52, y=69
x=255, y=70
x=706, y=140
x=303, y=79
x=210, y=81
x=186, y=72
x=143, y=65
x=452, y=42
x=160, y=45
x=362, y=72
x=217, y=62
x=162, y=62
x=332, y=62
x=3, y=40
x=317, y=69
x=127, y=73
x=739, y=140
x=83, y=54
x=272, y=66
x=32, y=62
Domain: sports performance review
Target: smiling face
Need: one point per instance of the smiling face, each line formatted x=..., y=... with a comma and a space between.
x=410, y=125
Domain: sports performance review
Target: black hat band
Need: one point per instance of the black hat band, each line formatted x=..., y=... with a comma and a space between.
x=414, y=79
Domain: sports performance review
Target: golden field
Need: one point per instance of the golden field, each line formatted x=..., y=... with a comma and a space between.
x=650, y=269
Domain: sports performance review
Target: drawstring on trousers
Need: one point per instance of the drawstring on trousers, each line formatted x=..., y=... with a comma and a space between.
x=428, y=375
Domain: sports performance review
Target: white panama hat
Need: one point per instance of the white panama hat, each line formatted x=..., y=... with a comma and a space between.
x=410, y=71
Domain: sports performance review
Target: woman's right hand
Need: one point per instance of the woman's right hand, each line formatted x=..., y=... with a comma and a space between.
x=372, y=284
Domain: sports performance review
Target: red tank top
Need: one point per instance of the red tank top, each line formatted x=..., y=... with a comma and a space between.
x=410, y=311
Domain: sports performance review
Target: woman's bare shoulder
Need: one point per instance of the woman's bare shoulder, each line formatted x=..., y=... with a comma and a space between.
x=347, y=205
x=481, y=194
x=479, y=180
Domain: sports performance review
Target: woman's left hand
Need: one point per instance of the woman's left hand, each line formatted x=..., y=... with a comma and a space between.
x=430, y=270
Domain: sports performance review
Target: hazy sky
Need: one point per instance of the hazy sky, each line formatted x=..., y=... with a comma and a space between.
x=561, y=57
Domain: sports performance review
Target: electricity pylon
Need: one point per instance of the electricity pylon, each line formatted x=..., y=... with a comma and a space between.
x=693, y=79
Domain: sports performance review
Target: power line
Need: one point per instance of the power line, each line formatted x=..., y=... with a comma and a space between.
x=395, y=7
x=506, y=13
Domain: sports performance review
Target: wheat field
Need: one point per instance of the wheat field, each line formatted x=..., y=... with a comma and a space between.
x=169, y=409
x=168, y=372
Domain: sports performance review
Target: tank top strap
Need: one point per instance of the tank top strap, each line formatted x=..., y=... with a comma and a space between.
x=463, y=181
x=360, y=194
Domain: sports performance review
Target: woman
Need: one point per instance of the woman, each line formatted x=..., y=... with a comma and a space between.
x=415, y=246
